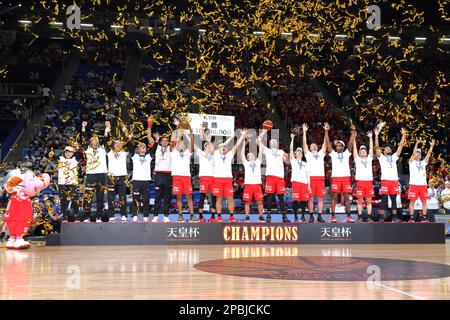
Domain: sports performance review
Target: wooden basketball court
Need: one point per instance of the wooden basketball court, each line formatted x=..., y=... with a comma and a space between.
x=227, y=272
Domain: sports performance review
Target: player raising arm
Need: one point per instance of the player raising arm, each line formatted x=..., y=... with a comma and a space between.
x=389, y=174
x=364, y=176
x=418, y=181
x=314, y=158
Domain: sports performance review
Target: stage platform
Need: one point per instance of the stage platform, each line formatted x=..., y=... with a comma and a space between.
x=247, y=233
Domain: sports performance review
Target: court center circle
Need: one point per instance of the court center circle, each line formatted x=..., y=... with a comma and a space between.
x=320, y=268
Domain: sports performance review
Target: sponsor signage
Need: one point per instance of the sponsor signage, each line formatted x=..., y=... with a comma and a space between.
x=336, y=233
x=257, y=233
x=217, y=125
x=249, y=233
x=183, y=233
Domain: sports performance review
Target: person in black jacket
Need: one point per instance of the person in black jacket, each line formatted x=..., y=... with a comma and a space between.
x=163, y=179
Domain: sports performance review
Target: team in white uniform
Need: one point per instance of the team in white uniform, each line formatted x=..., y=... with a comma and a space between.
x=252, y=181
x=418, y=188
x=390, y=187
x=364, y=177
x=215, y=172
x=301, y=181
x=275, y=185
x=340, y=174
x=180, y=161
x=206, y=174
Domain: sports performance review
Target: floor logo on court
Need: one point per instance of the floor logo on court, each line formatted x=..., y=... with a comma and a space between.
x=320, y=268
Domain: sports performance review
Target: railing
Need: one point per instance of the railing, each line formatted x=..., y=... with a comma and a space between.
x=19, y=90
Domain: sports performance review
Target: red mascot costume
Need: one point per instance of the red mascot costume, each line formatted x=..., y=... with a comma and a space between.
x=19, y=212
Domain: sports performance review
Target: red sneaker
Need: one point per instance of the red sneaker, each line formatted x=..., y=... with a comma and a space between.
x=350, y=219
x=232, y=219
x=201, y=220
x=219, y=219
x=212, y=220
x=333, y=219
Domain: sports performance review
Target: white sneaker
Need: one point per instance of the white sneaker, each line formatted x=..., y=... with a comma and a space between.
x=145, y=219
x=10, y=243
x=112, y=219
x=21, y=244
x=87, y=221
x=99, y=221
x=134, y=218
x=166, y=219
x=155, y=219
x=124, y=219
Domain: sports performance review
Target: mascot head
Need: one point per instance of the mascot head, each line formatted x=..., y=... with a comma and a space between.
x=26, y=184
x=13, y=181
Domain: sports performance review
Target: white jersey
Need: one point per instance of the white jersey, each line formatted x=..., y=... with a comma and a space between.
x=252, y=172
x=315, y=163
x=162, y=159
x=340, y=164
x=363, y=168
x=117, y=163
x=445, y=194
x=432, y=201
x=388, y=166
x=300, y=171
x=67, y=171
x=417, y=173
x=141, y=167
x=180, y=163
x=96, y=160
x=206, y=164
x=274, y=162
x=222, y=165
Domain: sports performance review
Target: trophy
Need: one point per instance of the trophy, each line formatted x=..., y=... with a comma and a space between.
x=296, y=130
x=381, y=125
x=184, y=122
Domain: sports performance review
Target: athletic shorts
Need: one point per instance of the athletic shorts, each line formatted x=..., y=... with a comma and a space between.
x=416, y=192
x=223, y=187
x=252, y=191
x=300, y=191
x=181, y=185
x=341, y=184
x=364, y=189
x=389, y=187
x=317, y=186
x=206, y=184
x=275, y=185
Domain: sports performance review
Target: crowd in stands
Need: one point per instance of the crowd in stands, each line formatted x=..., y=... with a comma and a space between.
x=35, y=53
x=90, y=91
x=105, y=55
x=98, y=85
x=420, y=75
x=17, y=108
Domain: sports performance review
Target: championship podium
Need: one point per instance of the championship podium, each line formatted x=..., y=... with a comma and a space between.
x=249, y=233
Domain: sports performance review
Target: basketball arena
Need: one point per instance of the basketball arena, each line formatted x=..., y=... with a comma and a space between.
x=224, y=150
